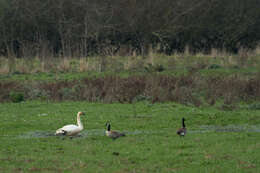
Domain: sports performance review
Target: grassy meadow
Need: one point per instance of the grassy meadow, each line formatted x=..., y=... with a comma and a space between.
x=217, y=140
x=145, y=97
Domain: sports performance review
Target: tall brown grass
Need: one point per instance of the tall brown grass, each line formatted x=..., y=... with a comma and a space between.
x=191, y=89
x=244, y=58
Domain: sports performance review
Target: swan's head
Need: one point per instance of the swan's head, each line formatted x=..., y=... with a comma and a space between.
x=81, y=113
x=183, y=119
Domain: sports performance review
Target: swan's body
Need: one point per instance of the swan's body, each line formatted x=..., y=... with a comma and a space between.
x=112, y=133
x=182, y=131
x=71, y=130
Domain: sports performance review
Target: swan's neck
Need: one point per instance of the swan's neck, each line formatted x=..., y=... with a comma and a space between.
x=79, y=122
x=183, y=125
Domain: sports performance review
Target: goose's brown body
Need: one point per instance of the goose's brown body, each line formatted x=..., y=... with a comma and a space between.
x=112, y=133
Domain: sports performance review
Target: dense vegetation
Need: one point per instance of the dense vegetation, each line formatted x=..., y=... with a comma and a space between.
x=186, y=89
x=191, y=80
x=86, y=27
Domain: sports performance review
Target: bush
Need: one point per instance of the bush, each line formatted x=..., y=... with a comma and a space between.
x=186, y=89
x=228, y=107
x=254, y=106
x=154, y=68
x=159, y=68
x=148, y=68
x=67, y=94
x=16, y=97
x=214, y=66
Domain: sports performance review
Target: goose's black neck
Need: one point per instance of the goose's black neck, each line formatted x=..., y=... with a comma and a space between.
x=183, y=124
x=108, y=127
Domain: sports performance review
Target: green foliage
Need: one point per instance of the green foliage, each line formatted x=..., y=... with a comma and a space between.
x=67, y=93
x=140, y=98
x=36, y=93
x=254, y=106
x=16, y=97
x=159, y=68
x=154, y=68
x=214, y=66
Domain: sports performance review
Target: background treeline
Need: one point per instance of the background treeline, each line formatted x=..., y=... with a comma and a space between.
x=47, y=28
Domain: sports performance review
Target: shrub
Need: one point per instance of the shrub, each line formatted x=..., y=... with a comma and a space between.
x=16, y=97
x=159, y=68
x=187, y=89
x=214, y=66
x=228, y=107
x=154, y=68
x=67, y=94
x=148, y=68
x=254, y=106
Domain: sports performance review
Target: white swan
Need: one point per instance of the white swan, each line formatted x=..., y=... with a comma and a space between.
x=71, y=130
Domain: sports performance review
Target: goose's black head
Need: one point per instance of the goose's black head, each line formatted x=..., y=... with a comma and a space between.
x=108, y=126
x=183, y=124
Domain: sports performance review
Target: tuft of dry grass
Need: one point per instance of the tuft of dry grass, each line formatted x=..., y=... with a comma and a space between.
x=83, y=65
x=4, y=66
x=64, y=65
x=257, y=50
x=243, y=58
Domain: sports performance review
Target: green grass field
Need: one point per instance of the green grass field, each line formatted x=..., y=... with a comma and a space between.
x=217, y=140
x=221, y=137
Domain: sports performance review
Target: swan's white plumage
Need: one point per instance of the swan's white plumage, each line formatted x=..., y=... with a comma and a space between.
x=71, y=130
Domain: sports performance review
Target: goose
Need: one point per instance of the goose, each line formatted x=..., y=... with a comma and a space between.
x=113, y=134
x=71, y=130
x=182, y=131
